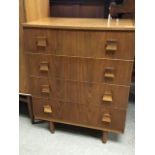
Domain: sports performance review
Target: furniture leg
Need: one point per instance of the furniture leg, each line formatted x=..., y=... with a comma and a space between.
x=51, y=127
x=104, y=136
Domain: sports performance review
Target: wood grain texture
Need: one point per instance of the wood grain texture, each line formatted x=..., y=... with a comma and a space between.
x=34, y=63
x=82, y=43
x=36, y=9
x=23, y=81
x=28, y=10
x=81, y=92
x=93, y=44
x=82, y=69
x=58, y=41
x=80, y=114
x=82, y=23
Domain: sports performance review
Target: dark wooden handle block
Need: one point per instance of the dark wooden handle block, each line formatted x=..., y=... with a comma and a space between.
x=45, y=89
x=107, y=97
x=111, y=46
x=41, y=42
x=44, y=66
x=106, y=118
x=47, y=109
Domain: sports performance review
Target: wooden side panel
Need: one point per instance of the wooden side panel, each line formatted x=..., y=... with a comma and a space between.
x=23, y=81
x=36, y=9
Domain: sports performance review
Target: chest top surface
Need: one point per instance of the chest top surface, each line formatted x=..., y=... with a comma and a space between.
x=82, y=24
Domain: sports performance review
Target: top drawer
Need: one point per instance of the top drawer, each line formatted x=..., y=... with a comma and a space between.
x=95, y=44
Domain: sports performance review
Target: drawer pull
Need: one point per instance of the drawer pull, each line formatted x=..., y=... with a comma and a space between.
x=44, y=66
x=107, y=97
x=109, y=73
x=111, y=46
x=106, y=118
x=45, y=89
x=47, y=109
x=41, y=42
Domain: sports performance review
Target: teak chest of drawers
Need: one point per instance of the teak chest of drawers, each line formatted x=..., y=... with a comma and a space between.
x=80, y=71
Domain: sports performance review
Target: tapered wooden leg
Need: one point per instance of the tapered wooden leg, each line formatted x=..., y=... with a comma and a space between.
x=104, y=136
x=51, y=127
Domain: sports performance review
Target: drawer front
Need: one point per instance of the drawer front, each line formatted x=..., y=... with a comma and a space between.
x=88, y=94
x=93, y=70
x=82, y=69
x=106, y=44
x=50, y=41
x=95, y=44
x=112, y=119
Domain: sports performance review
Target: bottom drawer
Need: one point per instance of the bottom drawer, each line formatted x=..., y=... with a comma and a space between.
x=81, y=115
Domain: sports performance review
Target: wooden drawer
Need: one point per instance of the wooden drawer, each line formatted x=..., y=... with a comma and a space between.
x=49, y=41
x=82, y=69
x=88, y=94
x=93, y=70
x=89, y=116
x=95, y=44
x=106, y=44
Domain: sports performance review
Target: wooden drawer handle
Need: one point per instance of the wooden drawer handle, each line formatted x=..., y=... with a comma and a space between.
x=45, y=89
x=109, y=73
x=41, y=42
x=111, y=46
x=44, y=66
x=47, y=109
x=106, y=118
x=107, y=97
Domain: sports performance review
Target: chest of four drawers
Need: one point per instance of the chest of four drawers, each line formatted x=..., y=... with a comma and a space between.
x=80, y=77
